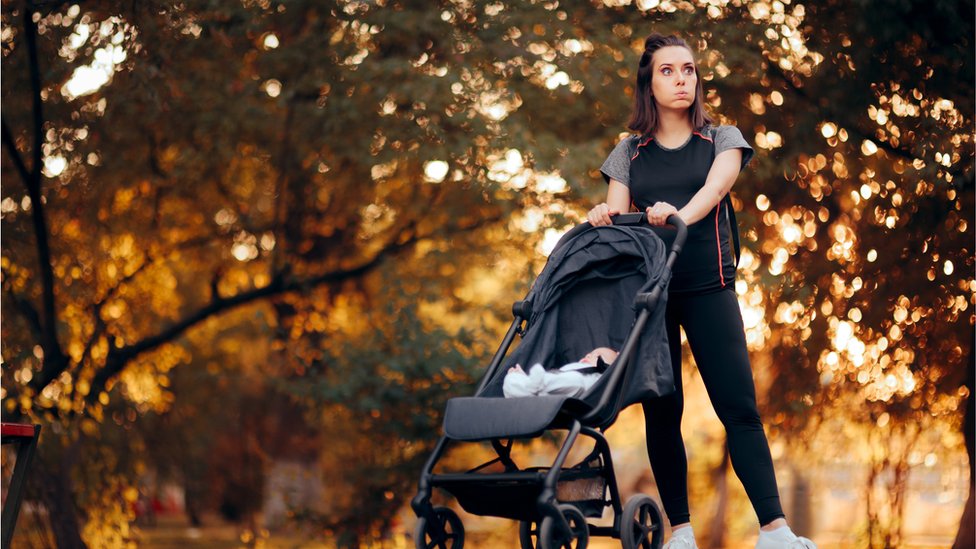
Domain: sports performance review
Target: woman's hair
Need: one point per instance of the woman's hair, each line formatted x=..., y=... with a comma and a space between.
x=645, y=117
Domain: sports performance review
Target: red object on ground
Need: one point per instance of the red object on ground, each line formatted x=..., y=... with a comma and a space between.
x=16, y=430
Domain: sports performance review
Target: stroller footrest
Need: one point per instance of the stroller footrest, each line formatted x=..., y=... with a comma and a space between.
x=464, y=478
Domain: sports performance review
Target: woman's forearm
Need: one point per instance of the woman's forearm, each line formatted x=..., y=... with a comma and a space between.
x=618, y=196
x=719, y=182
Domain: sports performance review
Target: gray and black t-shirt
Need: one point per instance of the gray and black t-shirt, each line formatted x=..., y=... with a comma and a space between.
x=657, y=174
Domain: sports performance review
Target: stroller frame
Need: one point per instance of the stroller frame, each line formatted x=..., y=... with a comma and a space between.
x=554, y=520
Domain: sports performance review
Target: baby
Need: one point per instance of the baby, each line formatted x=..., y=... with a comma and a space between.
x=572, y=380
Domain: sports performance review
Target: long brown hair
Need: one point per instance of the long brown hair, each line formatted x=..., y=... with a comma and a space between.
x=645, y=117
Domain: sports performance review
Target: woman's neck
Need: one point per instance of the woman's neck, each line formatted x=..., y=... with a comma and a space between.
x=673, y=125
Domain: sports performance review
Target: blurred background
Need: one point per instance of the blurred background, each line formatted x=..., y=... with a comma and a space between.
x=251, y=247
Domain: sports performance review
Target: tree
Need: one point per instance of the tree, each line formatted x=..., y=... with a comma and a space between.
x=154, y=204
x=172, y=206
x=886, y=318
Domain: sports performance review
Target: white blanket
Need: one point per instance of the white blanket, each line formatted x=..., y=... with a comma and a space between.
x=539, y=381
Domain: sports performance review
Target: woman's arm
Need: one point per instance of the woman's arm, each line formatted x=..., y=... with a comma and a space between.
x=618, y=200
x=721, y=177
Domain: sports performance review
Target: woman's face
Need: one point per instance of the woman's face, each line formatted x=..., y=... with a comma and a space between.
x=673, y=80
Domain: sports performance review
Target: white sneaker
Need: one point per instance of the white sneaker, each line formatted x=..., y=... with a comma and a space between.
x=783, y=538
x=681, y=542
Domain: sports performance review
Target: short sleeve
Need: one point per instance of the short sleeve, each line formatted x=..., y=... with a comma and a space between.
x=729, y=137
x=617, y=165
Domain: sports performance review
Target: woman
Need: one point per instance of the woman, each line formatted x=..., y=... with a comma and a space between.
x=680, y=164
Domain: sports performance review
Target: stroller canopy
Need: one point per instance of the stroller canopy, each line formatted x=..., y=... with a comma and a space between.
x=583, y=299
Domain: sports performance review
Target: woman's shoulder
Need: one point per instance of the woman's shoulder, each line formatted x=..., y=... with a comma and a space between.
x=628, y=141
x=722, y=131
x=617, y=164
x=727, y=137
x=626, y=146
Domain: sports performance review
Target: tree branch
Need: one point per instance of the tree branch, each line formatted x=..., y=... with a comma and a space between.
x=50, y=5
x=281, y=186
x=55, y=362
x=26, y=309
x=11, y=146
x=97, y=307
x=119, y=357
x=829, y=113
x=30, y=32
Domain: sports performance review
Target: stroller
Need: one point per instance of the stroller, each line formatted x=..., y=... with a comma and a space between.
x=602, y=286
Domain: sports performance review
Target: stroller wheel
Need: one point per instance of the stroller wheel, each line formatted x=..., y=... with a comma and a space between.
x=444, y=531
x=551, y=535
x=528, y=533
x=641, y=524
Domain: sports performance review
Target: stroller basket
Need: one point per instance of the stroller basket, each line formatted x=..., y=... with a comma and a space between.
x=583, y=485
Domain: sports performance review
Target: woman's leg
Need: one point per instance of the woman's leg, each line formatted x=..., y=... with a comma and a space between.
x=662, y=418
x=713, y=324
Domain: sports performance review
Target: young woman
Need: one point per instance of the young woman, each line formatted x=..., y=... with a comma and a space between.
x=678, y=163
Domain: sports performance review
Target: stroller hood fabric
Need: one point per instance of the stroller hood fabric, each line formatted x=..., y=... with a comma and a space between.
x=584, y=298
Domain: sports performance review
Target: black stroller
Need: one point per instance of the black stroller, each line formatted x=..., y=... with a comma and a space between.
x=602, y=286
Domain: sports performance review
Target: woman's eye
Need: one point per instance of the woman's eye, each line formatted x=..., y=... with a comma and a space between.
x=666, y=71
x=689, y=70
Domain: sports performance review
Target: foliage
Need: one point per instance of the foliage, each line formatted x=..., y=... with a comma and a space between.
x=377, y=404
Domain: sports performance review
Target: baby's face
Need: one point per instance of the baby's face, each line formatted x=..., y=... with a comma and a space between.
x=607, y=354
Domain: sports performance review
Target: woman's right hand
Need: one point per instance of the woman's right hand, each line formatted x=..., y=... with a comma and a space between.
x=600, y=215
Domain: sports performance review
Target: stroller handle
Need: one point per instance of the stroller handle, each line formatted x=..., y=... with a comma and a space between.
x=630, y=218
x=640, y=218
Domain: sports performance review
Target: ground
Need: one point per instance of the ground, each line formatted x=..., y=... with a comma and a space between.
x=174, y=532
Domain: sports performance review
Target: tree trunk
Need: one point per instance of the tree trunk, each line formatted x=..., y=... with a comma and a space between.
x=800, y=514
x=896, y=494
x=872, y=513
x=966, y=536
x=716, y=533
x=192, y=498
x=56, y=493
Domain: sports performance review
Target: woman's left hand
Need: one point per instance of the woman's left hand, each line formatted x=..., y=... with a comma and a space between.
x=658, y=213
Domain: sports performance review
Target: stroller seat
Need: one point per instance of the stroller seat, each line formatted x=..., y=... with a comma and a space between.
x=483, y=418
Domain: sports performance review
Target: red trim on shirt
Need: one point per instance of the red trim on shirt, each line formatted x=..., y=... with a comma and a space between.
x=709, y=139
x=718, y=244
x=639, y=145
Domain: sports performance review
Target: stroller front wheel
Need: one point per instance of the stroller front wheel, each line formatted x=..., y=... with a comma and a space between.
x=444, y=531
x=641, y=524
x=551, y=536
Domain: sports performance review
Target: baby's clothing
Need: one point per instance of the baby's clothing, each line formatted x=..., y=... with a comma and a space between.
x=571, y=380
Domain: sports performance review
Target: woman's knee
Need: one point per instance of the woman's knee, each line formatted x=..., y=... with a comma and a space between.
x=739, y=416
x=663, y=410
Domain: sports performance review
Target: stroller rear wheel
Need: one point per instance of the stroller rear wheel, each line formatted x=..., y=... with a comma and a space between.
x=445, y=531
x=641, y=523
x=551, y=536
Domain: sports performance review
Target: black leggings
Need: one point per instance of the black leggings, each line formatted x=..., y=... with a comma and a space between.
x=713, y=324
